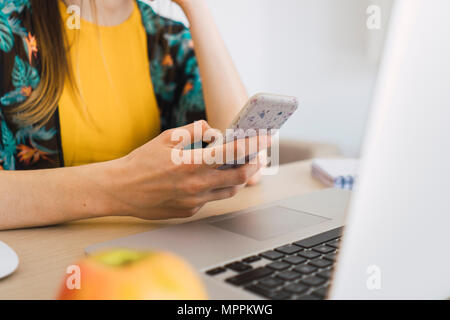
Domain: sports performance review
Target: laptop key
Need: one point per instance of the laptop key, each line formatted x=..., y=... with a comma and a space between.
x=251, y=259
x=320, y=263
x=324, y=274
x=305, y=269
x=313, y=281
x=278, y=265
x=294, y=260
x=320, y=293
x=307, y=297
x=320, y=238
x=280, y=295
x=274, y=295
x=272, y=255
x=271, y=283
x=238, y=266
x=330, y=256
x=249, y=276
x=324, y=249
x=296, y=288
x=289, y=275
x=215, y=271
x=309, y=254
x=260, y=290
x=289, y=249
x=334, y=243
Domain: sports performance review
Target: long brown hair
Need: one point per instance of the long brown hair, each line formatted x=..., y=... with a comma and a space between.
x=48, y=28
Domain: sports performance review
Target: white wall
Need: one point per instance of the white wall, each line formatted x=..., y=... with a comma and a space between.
x=318, y=50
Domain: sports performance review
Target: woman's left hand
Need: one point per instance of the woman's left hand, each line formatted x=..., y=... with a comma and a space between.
x=255, y=179
x=258, y=176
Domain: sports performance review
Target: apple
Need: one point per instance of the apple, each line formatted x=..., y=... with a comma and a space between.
x=124, y=274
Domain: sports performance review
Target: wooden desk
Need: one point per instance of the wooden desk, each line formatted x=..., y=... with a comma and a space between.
x=45, y=253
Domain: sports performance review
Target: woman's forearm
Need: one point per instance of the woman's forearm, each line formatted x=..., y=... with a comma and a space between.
x=146, y=184
x=45, y=197
x=224, y=92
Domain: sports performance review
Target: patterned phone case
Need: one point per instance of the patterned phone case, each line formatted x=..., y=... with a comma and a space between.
x=262, y=111
x=265, y=111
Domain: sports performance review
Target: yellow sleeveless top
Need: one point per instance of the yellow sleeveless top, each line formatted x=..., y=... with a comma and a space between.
x=117, y=109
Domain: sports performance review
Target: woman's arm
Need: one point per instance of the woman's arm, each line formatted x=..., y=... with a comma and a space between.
x=45, y=197
x=223, y=89
x=146, y=184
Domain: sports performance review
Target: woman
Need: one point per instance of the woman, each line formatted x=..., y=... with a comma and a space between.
x=87, y=102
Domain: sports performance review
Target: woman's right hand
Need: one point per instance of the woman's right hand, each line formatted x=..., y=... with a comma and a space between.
x=148, y=184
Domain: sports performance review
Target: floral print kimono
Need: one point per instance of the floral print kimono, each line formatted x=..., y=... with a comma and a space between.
x=173, y=67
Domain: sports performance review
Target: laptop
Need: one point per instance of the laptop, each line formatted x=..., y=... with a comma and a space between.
x=396, y=235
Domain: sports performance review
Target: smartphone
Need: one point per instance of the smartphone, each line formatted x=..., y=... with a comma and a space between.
x=263, y=111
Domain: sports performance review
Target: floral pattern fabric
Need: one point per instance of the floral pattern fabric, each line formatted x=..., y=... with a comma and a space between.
x=173, y=68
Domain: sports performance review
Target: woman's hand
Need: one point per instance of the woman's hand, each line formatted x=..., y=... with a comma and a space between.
x=148, y=184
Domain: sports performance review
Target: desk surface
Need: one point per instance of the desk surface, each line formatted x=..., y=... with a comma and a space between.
x=45, y=253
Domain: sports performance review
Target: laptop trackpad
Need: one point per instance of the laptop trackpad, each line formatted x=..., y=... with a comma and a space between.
x=265, y=224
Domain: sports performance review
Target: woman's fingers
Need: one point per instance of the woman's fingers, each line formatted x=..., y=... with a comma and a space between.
x=224, y=193
x=239, y=151
x=184, y=136
x=255, y=179
x=204, y=181
x=208, y=160
x=202, y=165
x=258, y=176
x=233, y=177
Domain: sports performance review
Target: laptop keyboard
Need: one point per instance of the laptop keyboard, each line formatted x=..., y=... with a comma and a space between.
x=301, y=270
